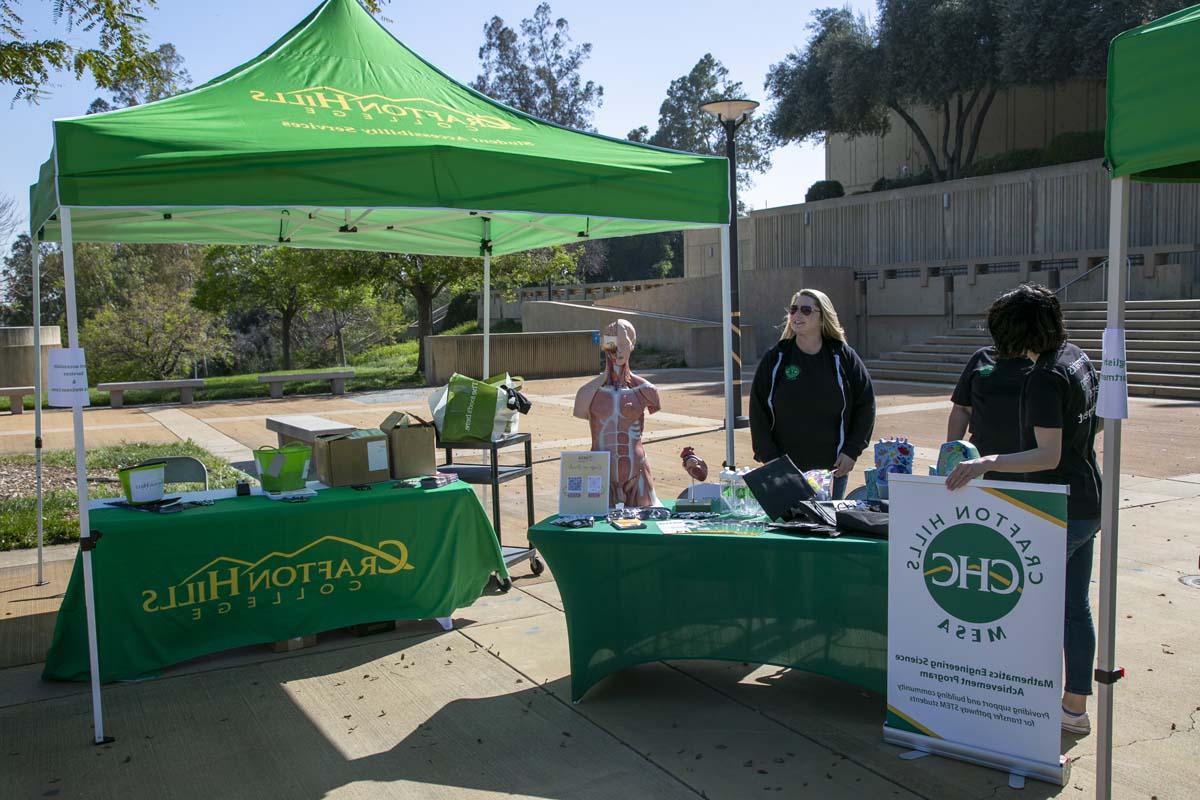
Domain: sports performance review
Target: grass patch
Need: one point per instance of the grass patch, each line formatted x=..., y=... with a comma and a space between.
x=18, y=514
x=392, y=366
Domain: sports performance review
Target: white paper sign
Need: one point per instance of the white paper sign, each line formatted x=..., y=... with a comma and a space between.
x=67, y=378
x=583, y=483
x=975, y=622
x=1114, y=384
x=377, y=455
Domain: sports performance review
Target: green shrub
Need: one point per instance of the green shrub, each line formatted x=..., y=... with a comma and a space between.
x=1074, y=146
x=1011, y=161
x=919, y=179
x=824, y=190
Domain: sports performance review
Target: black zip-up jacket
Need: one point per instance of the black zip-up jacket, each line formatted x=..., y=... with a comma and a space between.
x=775, y=431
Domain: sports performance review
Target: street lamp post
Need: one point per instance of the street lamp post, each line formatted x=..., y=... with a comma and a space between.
x=732, y=114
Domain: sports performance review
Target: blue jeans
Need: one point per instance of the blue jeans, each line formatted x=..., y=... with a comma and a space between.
x=1079, y=634
x=839, y=487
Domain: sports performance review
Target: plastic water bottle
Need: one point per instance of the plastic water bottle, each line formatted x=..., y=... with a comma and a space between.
x=752, y=507
x=727, y=494
x=741, y=492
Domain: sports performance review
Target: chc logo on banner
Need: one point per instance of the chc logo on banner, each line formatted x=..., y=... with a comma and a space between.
x=975, y=566
x=975, y=621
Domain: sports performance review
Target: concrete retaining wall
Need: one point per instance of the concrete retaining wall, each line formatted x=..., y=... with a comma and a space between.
x=16, y=353
x=562, y=353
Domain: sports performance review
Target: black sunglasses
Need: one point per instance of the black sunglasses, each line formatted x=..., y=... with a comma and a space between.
x=805, y=310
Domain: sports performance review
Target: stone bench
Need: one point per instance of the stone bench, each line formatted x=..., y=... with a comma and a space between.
x=336, y=379
x=16, y=397
x=304, y=428
x=116, y=391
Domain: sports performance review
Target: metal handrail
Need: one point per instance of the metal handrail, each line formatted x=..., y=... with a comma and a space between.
x=1060, y=292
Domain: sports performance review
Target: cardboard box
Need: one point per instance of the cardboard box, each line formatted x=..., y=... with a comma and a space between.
x=350, y=459
x=412, y=445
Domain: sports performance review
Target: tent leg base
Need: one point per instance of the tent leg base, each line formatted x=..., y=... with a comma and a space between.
x=104, y=740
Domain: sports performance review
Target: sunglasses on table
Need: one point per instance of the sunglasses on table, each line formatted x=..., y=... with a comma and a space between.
x=806, y=310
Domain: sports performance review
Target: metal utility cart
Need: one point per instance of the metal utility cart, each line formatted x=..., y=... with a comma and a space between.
x=493, y=474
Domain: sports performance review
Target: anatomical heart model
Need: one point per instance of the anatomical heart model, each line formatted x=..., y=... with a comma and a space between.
x=615, y=404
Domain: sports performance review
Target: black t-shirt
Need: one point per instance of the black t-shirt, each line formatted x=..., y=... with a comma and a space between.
x=1061, y=393
x=991, y=386
x=807, y=388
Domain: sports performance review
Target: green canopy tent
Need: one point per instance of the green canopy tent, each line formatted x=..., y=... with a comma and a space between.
x=338, y=136
x=1152, y=134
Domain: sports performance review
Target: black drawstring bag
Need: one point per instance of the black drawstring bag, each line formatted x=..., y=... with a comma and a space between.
x=863, y=523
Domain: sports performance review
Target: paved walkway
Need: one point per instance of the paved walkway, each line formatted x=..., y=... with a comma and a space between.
x=483, y=711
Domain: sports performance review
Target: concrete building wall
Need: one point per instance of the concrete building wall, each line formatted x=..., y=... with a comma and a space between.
x=1019, y=118
x=1042, y=214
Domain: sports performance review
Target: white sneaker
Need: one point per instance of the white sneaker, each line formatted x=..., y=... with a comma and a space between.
x=1076, y=723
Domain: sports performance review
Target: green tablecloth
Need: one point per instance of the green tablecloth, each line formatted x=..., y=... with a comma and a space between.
x=248, y=570
x=633, y=597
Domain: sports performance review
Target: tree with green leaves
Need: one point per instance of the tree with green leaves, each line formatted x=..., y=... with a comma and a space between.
x=556, y=265
x=422, y=277
x=1045, y=41
x=105, y=275
x=167, y=76
x=947, y=55
x=682, y=125
x=119, y=50
x=104, y=38
x=283, y=281
x=537, y=71
x=153, y=335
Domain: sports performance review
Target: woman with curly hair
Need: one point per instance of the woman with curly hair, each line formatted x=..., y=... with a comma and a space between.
x=1058, y=428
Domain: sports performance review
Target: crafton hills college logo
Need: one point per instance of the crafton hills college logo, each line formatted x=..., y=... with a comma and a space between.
x=320, y=568
x=976, y=568
x=411, y=111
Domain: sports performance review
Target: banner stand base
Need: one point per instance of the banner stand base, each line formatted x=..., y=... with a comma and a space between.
x=913, y=755
x=1018, y=768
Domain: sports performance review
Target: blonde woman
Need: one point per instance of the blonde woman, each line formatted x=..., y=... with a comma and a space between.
x=812, y=398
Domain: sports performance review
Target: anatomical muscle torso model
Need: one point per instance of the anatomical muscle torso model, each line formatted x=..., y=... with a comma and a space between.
x=615, y=404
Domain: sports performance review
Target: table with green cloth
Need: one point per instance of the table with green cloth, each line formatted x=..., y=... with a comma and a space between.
x=246, y=570
x=638, y=596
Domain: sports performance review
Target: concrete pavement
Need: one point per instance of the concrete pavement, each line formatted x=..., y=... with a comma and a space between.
x=484, y=711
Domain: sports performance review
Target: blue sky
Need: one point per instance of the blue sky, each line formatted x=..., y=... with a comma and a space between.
x=638, y=49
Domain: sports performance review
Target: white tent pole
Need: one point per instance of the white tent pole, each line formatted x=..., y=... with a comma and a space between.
x=35, y=253
x=487, y=298
x=1118, y=232
x=727, y=345
x=85, y=537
